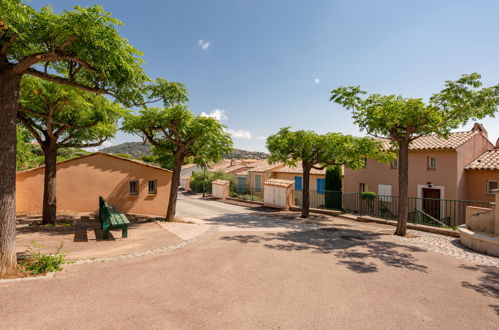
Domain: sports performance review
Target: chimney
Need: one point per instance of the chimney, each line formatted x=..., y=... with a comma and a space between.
x=497, y=144
x=479, y=127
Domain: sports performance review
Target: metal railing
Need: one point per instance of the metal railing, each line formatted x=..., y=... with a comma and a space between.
x=246, y=193
x=427, y=211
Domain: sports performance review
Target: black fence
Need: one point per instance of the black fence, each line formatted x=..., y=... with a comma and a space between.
x=245, y=193
x=427, y=211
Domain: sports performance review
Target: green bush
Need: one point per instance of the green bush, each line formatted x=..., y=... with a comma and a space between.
x=368, y=195
x=198, y=177
x=38, y=263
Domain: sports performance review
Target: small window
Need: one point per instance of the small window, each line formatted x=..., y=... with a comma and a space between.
x=258, y=182
x=298, y=183
x=432, y=163
x=395, y=163
x=491, y=185
x=362, y=187
x=134, y=187
x=152, y=187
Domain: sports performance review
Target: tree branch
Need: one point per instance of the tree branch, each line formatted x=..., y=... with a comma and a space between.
x=29, y=125
x=67, y=42
x=6, y=45
x=64, y=81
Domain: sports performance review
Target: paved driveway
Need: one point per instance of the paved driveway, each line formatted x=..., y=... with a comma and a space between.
x=265, y=270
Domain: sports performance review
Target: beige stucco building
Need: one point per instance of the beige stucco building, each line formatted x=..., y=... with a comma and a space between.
x=131, y=186
x=438, y=168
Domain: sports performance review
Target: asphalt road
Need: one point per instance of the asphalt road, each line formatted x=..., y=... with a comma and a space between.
x=263, y=271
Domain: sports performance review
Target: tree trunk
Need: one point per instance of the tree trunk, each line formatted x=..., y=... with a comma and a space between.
x=49, y=184
x=403, y=187
x=172, y=200
x=305, y=208
x=9, y=98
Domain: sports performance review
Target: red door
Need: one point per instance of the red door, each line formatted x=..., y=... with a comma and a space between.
x=431, y=206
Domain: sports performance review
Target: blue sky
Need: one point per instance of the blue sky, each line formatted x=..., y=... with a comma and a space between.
x=272, y=63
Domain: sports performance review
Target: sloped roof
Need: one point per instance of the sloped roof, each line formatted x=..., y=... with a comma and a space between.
x=279, y=182
x=187, y=166
x=434, y=142
x=264, y=166
x=298, y=169
x=489, y=160
x=105, y=154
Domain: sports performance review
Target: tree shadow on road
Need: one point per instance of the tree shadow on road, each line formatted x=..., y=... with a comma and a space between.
x=356, y=249
x=488, y=284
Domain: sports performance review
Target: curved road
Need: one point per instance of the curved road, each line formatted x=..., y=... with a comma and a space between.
x=263, y=270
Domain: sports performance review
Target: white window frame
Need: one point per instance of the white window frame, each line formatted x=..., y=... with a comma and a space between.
x=387, y=198
x=429, y=163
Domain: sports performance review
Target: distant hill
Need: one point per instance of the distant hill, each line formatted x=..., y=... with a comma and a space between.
x=134, y=149
x=244, y=154
x=139, y=149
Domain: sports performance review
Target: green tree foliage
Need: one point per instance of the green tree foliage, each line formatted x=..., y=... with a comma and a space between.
x=333, y=186
x=401, y=120
x=321, y=150
x=60, y=117
x=206, y=177
x=28, y=154
x=80, y=48
x=176, y=133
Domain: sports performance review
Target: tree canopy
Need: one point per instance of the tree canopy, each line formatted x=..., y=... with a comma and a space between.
x=403, y=120
x=321, y=150
x=65, y=115
x=176, y=133
x=80, y=48
x=397, y=118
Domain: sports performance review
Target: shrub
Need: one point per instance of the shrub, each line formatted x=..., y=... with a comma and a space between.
x=198, y=177
x=368, y=195
x=39, y=263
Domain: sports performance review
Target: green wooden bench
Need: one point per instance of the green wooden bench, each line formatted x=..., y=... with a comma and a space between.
x=112, y=218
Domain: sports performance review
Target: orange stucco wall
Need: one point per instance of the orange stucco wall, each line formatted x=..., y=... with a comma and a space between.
x=449, y=173
x=376, y=173
x=81, y=181
x=476, y=184
x=466, y=153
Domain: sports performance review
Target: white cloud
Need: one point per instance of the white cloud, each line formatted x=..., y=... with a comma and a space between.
x=204, y=44
x=239, y=134
x=218, y=114
x=261, y=138
x=317, y=81
x=105, y=144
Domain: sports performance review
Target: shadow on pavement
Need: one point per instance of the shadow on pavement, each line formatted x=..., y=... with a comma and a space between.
x=488, y=284
x=356, y=249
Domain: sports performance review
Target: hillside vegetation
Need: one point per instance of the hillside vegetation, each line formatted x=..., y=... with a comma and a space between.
x=139, y=150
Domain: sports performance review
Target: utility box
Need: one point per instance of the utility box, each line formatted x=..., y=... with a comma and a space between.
x=220, y=189
x=278, y=193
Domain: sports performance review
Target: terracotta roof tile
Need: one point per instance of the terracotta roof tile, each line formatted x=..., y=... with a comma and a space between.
x=489, y=160
x=279, y=182
x=434, y=142
x=298, y=169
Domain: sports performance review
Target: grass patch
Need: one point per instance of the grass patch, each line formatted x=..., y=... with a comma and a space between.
x=38, y=263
